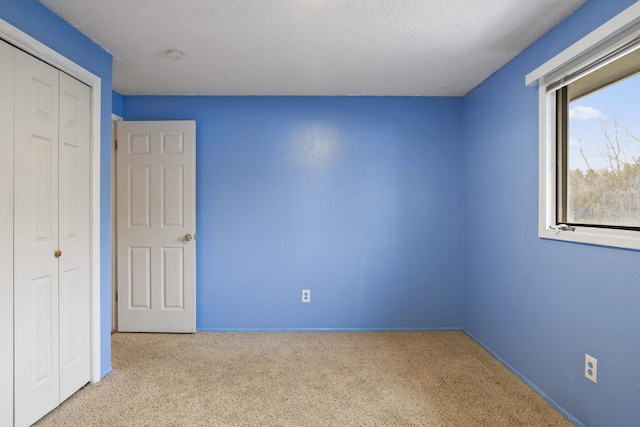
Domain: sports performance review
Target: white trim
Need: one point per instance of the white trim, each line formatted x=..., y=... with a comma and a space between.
x=614, y=33
x=22, y=40
x=606, y=37
x=112, y=209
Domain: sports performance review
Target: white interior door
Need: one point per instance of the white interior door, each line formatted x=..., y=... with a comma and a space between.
x=74, y=228
x=37, y=375
x=6, y=233
x=156, y=226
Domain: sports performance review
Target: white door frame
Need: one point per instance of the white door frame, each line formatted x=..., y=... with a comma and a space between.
x=22, y=40
x=114, y=226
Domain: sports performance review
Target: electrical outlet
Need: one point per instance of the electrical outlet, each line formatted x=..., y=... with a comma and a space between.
x=591, y=368
x=306, y=295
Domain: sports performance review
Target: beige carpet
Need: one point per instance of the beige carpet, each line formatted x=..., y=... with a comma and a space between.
x=304, y=379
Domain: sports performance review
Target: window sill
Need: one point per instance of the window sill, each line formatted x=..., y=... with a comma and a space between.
x=627, y=239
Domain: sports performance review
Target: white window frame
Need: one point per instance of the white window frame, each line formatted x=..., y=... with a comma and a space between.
x=609, y=37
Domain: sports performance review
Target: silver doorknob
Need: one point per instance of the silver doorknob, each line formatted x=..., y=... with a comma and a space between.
x=188, y=237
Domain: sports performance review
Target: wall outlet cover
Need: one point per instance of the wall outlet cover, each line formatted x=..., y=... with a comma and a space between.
x=591, y=368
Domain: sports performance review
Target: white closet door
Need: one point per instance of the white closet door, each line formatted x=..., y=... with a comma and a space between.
x=37, y=379
x=6, y=234
x=74, y=235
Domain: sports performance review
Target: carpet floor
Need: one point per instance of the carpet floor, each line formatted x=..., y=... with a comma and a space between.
x=304, y=379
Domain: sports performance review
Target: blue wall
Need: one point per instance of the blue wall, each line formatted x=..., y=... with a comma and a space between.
x=34, y=19
x=117, y=104
x=357, y=199
x=540, y=305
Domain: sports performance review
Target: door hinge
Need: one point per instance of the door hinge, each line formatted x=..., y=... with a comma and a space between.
x=116, y=297
x=116, y=144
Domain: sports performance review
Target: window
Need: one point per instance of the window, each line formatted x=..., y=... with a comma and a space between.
x=598, y=143
x=590, y=137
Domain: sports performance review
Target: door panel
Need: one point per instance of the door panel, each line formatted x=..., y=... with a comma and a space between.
x=69, y=317
x=74, y=274
x=139, y=197
x=172, y=196
x=172, y=279
x=37, y=379
x=43, y=315
x=42, y=151
x=140, y=278
x=155, y=210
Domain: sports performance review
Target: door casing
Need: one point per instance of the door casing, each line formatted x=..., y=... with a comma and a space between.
x=114, y=225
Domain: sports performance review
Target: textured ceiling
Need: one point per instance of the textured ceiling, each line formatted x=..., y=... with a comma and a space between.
x=310, y=47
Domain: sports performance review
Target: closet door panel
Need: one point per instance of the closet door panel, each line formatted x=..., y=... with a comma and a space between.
x=74, y=235
x=37, y=378
x=6, y=233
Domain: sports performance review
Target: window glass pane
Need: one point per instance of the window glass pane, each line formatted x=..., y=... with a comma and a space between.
x=603, y=156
